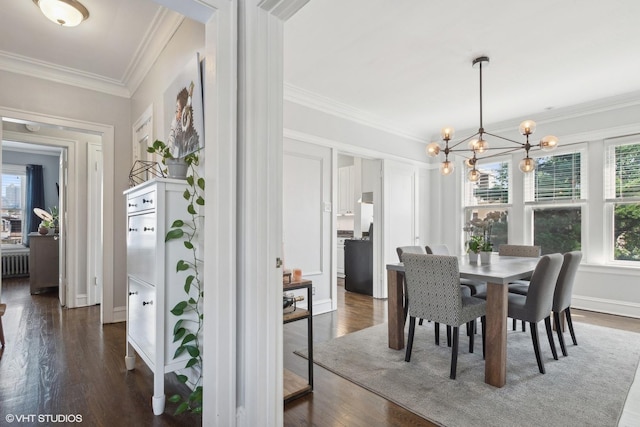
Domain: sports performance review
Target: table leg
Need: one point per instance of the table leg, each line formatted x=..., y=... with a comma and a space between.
x=495, y=368
x=394, y=310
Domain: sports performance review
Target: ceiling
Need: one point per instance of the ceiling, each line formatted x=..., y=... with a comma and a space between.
x=111, y=51
x=406, y=64
x=401, y=65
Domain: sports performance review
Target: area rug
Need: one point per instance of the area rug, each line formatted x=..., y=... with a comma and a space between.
x=587, y=388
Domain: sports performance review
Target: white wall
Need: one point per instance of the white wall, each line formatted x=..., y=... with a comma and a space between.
x=57, y=100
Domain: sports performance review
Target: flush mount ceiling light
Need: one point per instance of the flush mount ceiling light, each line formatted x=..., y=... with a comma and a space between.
x=478, y=145
x=67, y=13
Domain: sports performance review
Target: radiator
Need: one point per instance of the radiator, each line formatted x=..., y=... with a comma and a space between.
x=15, y=264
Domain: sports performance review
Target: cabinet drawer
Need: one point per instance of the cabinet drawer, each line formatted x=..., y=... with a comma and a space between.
x=141, y=202
x=141, y=247
x=142, y=316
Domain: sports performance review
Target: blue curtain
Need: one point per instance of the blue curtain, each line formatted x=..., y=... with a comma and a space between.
x=35, y=199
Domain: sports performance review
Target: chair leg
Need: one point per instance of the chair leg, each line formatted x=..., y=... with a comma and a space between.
x=567, y=314
x=1, y=334
x=514, y=326
x=448, y=336
x=454, y=354
x=468, y=329
x=552, y=344
x=420, y=322
x=436, y=327
x=524, y=326
x=536, y=345
x=412, y=328
x=484, y=333
x=473, y=324
x=556, y=320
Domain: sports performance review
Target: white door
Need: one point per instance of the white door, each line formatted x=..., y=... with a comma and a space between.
x=307, y=236
x=400, y=210
x=94, y=232
x=62, y=223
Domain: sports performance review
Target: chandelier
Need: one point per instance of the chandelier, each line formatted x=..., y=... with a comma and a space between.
x=477, y=143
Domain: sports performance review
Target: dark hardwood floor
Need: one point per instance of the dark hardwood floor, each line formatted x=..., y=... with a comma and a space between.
x=338, y=402
x=64, y=362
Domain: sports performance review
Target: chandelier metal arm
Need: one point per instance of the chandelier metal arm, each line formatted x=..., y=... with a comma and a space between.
x=506, y=139
x=464, y=140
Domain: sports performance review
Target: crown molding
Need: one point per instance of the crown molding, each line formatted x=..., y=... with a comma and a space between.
x=327, y=105
x=164, y=25
x=56, y=73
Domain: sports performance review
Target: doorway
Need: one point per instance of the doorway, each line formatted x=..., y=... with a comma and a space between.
x=68, y=145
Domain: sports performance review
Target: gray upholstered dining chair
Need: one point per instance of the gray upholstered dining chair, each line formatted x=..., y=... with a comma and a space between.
x=433, y=287
x=561, y=295
x=519, y=250
x=474, y=285
x=523, y=251
x=537, y=304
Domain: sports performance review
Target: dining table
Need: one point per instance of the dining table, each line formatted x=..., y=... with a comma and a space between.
x=497, y=273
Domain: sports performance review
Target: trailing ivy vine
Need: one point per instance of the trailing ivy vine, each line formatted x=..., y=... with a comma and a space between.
x=188, y=327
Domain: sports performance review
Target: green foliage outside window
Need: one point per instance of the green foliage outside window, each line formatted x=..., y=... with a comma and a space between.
x=557, y=230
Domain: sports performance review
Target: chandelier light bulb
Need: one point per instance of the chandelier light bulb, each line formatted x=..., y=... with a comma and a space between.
x=470, y=163
x=473, y=144
x=482, y=146
x=527, y=127
x=446, y=167
x=447, y=133
x=433, y=149
x=527, y=164
x=548, y=143
x=473, y=175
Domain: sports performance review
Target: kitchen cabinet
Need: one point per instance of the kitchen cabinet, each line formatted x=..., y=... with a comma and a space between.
x=294, y=385
x=346, y=190
x=151, y=209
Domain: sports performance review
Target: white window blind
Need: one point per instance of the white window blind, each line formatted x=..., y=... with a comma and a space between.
x=622, y=171
x=556, y=178
x=491, y=188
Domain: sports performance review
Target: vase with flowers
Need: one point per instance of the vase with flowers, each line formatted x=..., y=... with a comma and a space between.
x=474, y=245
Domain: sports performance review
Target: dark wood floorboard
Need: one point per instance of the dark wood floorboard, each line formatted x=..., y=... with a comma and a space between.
x=63, y=361
x=338, y=402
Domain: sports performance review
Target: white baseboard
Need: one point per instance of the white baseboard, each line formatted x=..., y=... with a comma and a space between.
x=120, y=314
x=620, y=308
x=82, y=300
x=322, y=306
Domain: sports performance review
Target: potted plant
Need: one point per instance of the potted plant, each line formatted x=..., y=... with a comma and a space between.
x=485, y=252
x=474, y=246
x=176, y=167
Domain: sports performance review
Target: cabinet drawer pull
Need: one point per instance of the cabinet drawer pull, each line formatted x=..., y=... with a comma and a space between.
x=148, y=229
x=133, y=229
x=133, y=293
x=147, y=201
x=133, y=205
x=147, y=302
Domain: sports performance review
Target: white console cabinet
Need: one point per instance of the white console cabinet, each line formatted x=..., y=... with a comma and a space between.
x=153, y=286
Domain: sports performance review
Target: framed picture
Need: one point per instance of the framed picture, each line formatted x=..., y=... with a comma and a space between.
x=184, y=111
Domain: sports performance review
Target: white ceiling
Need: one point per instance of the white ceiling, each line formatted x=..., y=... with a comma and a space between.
x=407, y=63
x=110, y=51
x=403, y=65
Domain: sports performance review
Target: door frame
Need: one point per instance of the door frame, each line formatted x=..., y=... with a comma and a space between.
x=107, y=134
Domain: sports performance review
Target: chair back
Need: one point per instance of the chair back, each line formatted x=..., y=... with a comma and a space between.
x=409, y=250
x=433, y=287
x=564, y=285
x=519, y=250
x=437, y=250
x=542, y=286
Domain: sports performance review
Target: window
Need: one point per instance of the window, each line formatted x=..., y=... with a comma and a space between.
x=555, y=193
x=622, y=193
x=13, y=203
x=487, y=201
